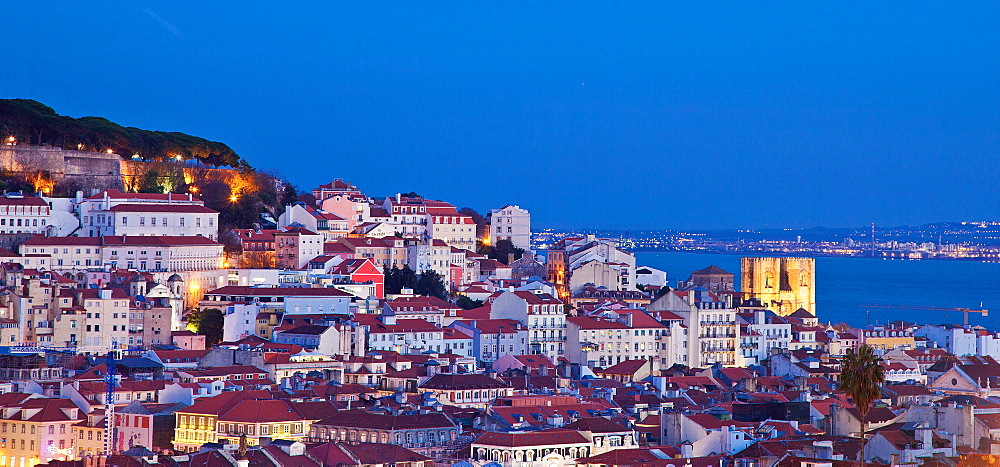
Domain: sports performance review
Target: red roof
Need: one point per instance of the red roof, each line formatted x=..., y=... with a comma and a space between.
x=182, y=208
x=26, y=200
x=625, y=368
x=554, y=436
x=241, y=290
x=166, y=241
x=256, y=411
x=169, y=197
x=42, y=240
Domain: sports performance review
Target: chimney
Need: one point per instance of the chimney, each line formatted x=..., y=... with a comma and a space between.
x=687, y=451
x=398, y=198
x=510, y=258
x=925, y=436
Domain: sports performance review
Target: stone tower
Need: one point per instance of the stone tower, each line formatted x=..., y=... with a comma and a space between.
x=783, y=285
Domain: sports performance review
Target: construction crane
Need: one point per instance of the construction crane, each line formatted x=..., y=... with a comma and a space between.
x=965, y=311
x=110, y=382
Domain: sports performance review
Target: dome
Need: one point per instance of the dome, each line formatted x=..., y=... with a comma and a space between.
x=175, y=278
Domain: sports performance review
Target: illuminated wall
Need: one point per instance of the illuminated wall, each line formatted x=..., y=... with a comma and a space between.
x=783, y=285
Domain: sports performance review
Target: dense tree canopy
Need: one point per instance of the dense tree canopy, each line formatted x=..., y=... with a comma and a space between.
x=427, y=283
x=501, y=251
x=209, y=323
x=431, y=284
x=36, y=123
x=467, y=303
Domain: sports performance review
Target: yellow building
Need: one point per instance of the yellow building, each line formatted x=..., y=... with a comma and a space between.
x=228, y=416
x=887, y=339
x=36, y=430
x=783, y=285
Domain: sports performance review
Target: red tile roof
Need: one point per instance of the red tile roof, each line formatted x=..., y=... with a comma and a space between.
x=554, y=436
x=139, y=240
x=181, y=208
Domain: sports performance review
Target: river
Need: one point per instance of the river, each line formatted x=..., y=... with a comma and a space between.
x=843, y=285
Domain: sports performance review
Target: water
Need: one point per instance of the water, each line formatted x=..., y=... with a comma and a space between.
x=844, y=284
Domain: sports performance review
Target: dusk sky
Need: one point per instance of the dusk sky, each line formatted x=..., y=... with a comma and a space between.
x=591, y=115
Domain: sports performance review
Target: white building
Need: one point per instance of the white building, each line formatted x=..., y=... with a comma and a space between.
x=61, y=254
x=24, y=214
x=512, y=223
x=240, y=305
x=162, y=254
x=953, y=338
x=646, y=275
x=405, y=336
x=330, y=225
x=599, y=258
x=408, y=214
x=713, y=330
x=543, y=315
x=159, y=219
x=96, y=218
x=614, y=336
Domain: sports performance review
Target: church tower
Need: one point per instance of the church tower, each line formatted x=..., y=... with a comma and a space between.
x=783, y=285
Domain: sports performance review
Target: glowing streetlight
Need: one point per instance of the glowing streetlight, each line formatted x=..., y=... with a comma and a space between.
x=12, y=140
x=232, y=198
x=79, y=146
x=110, y=151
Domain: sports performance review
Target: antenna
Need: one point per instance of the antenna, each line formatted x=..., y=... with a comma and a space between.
x=873, y=239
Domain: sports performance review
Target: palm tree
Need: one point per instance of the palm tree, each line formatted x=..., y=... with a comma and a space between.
x=861, y=376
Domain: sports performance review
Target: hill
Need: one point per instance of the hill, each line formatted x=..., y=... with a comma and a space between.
x=32, y=122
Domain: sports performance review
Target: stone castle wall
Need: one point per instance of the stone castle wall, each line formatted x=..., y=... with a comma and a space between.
x=87, y=170
x=95, y=171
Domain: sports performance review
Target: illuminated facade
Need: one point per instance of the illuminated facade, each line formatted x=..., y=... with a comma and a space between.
x=512, y=223
x=783, y=285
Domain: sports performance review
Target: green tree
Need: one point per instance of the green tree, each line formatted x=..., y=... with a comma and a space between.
x=467, y=303
x=209, y=323
x=861, y=378
x=502, y=250
x=150, y=182
x=396, y=279
x=431, y=284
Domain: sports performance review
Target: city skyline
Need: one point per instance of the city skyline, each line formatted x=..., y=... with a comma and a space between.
x=716, y=117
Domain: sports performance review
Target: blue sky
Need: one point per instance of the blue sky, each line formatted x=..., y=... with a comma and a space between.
x=647, y=115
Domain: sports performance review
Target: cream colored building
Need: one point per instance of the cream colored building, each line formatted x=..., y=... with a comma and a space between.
x=512, y=223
